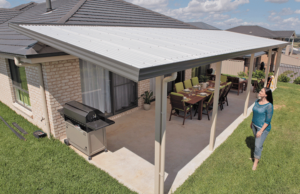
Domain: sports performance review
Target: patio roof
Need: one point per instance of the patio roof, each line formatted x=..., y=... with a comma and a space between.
x=140, y=53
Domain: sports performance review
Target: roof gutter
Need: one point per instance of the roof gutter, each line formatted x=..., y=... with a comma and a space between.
x=42, y=91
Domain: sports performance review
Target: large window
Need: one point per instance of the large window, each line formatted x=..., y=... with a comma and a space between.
x=20, y=87
x=201, y=70
x=106, y=91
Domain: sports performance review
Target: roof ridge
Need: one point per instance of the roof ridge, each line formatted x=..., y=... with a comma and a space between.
x=19, y=11
x=66, y=17
x=158, y=13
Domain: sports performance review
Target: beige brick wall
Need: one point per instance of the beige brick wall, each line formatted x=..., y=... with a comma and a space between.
x=62, y=84
x=188, y=74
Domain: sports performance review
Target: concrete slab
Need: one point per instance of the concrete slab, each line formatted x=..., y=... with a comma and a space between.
x=131, y=145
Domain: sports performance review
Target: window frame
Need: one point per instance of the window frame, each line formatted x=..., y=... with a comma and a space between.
x=15, y=75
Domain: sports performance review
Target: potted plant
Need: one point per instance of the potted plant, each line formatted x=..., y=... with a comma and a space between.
x=203, y=81
x=258, y=88
x=147, y=96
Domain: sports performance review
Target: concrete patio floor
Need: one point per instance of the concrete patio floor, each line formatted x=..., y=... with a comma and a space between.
x=130, y=158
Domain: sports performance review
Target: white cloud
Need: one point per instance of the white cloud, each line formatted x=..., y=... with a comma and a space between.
x=286, y=11
x=152, y=4
x=4, y=4
x=297, y=0
x=278, y=1
x=292, y=21
x=297, y=11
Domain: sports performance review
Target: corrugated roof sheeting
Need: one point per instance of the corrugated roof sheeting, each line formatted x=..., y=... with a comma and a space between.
x=203, y=25
x=148, y=48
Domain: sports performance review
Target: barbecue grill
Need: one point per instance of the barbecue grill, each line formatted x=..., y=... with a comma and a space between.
x=85, y=127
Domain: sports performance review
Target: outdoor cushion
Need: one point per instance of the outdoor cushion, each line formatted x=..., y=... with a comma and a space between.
x=223, y=78
x=179, y=87
x=176, y=94
x=188, y=83
x=228, y=83
x=188, y=108
x=195, y=81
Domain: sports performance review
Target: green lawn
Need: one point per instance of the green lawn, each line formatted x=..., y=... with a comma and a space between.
x=46, y=166
x=229, y=170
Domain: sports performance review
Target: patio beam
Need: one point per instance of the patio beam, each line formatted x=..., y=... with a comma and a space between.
x=278, y=61
x=249, y=84
x=215, y=106
x=268, y=67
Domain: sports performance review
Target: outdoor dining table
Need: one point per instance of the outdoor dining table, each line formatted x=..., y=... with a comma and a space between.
x=193, y=97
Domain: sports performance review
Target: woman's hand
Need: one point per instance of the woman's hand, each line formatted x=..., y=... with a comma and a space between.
x=258, y=134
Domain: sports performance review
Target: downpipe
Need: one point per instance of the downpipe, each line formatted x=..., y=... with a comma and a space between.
x=163, y=128
x=42, y=90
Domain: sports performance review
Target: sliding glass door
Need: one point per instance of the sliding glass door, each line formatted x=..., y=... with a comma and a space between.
x=106, y=91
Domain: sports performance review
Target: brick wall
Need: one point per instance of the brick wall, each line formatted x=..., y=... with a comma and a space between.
x=142, y=87
x=188, y=74
x=6, y=95
x=62, y=84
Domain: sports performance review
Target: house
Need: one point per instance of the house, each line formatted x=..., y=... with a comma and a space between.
x=104, y=53
x=61, y=71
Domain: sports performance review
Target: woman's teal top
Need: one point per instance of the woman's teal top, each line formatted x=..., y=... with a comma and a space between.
x=262, y=114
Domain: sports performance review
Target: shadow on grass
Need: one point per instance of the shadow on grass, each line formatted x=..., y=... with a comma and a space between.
x=250, y=141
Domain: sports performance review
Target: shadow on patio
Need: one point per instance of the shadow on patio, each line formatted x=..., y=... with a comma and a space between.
x=131, y=143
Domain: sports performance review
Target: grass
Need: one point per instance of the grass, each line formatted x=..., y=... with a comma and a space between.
x=229, y=170
x=46, y=165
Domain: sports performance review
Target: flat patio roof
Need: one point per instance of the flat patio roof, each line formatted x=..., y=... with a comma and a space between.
x=139, y=53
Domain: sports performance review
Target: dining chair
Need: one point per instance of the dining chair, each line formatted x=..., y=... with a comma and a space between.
x=223, y=78
x=188, y=83
x=225, y=98
x=207, y=104
x=222, y=90
x=178, y=105
x=179, y=87
x=195, y=81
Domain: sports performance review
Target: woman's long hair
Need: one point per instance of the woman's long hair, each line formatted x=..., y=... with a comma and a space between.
x=269, y=95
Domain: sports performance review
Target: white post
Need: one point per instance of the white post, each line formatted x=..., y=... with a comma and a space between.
x=268, y=67
x=158, y=111
x=215, y=106
x=249, y=84
x=278, y=61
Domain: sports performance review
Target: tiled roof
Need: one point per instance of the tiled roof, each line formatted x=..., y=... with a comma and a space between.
x=203, y=25
x=79, y=12
x=255, y=31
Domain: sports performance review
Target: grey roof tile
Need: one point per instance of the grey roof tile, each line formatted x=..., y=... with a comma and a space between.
x=255, y=31
x=203, y=25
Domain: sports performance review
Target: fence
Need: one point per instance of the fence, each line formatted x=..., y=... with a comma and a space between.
x=232, y=67
x=291, y=71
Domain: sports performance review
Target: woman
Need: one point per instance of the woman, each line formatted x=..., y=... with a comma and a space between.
x=261, y=121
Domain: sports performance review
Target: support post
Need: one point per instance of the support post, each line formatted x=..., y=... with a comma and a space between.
x=160, y=130
x=278, y=61
x=158, y=111
x=268, y=67
x=215, y=106
x=249, y=84
x=292, y=49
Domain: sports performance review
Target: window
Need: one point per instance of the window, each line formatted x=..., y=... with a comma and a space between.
x=106, y=91
x=20, y=87
x=201, y=70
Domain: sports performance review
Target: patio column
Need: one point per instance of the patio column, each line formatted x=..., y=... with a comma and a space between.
x=215, y=106
x=158, y=111
x=249, y=84
x=278, y=61
x=268, y=67
x=160, y=130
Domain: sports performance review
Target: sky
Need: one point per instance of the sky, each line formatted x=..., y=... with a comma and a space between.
x=223, y=14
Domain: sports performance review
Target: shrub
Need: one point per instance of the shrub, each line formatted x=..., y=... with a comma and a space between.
x=270, y=74
x=297, y=81
x=242, y=74
x=287, y=72
x=258, y=74
x=283, y=78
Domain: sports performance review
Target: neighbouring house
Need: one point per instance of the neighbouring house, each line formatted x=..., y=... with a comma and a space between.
x=266, y=33
x=106, y=54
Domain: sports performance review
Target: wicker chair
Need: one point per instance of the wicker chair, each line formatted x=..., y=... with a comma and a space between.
x=188, y=83
x=236, y=85
x=179, y=87
x=225, y=94
x=178, y=105
x=207, y=104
